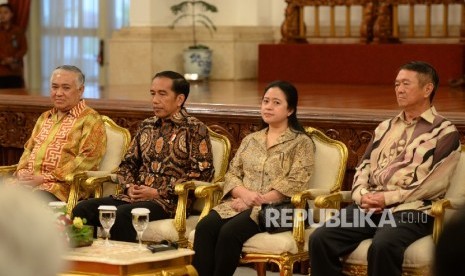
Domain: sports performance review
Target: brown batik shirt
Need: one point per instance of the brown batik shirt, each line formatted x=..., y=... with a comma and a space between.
x=166, y=152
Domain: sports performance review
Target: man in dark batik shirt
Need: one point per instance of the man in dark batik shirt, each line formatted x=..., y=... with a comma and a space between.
x=169, y=148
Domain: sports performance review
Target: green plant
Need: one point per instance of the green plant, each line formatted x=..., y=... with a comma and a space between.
x=80, y=234
x=196, y=11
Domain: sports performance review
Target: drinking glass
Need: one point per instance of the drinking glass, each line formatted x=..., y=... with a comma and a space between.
x=107, y=216
x=140, y=220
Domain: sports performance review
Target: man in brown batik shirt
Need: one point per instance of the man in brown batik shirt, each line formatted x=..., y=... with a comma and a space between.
x=169, y=148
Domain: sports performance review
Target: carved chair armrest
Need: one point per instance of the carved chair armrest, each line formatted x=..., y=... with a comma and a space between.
x=98, y=173
x=180, y=217
x=95, y=183
x=438, y=211
x=204, y=183
x=82, y=179
x=211, y=193
x=7, y=170
x=300, y=203
x=300, y=199
x=76, y=192
x=333, y=200
x=96, y=179
x=83, y=185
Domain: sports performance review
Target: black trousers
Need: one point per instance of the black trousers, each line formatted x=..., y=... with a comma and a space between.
x=218, y=242
x=122, y=230
x=386, y=253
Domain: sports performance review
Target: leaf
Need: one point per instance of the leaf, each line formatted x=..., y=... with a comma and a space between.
x=179, y=8
x=206, y=6
x=210, y=23
x=178, y=19
x=206, y=26
x=194, y=9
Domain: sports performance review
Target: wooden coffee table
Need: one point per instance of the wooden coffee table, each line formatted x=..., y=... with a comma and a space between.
x=123, y=258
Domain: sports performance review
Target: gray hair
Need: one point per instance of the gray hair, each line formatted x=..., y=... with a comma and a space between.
x=81, y=78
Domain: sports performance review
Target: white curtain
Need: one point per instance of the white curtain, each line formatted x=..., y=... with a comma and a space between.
x=70, y=34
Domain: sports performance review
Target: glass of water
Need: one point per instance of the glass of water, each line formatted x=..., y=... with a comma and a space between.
x=107, y=216
x=140, y=220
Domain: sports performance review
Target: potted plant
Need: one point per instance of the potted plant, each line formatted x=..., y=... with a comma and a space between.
x=75, y=232
x=197, y=58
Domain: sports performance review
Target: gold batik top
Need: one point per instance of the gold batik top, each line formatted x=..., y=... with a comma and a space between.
x=58, y=147
x=165, y=152
x=286, y=167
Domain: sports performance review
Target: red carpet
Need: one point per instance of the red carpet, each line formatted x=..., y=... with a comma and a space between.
x=354, y=63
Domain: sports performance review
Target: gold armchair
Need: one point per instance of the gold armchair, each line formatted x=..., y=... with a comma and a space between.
x=286, y=248
x=418, y=257
x=118, y=139
x=175, y=229
x=7, y=170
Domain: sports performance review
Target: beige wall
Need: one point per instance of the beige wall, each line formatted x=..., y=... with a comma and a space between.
x=145, y=13
x=149, y=46
x=271, y=13
x=136, y=53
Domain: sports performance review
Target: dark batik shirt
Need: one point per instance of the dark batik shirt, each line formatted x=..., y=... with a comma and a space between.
x=167, y=152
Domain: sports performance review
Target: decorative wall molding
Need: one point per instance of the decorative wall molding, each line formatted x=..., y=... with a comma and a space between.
x=353, y=127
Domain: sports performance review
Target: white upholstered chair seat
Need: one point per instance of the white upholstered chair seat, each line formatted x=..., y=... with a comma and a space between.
x=178, y=228
x=418, y=254
x=278, y=243
x=118, y=139
x=173, y=229
x=269, y=243
x=165, y=229
x=289, y=247
x=418, y=257
x=286, y=248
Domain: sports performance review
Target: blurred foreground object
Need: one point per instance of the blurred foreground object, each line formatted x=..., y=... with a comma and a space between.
x=29, y=242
